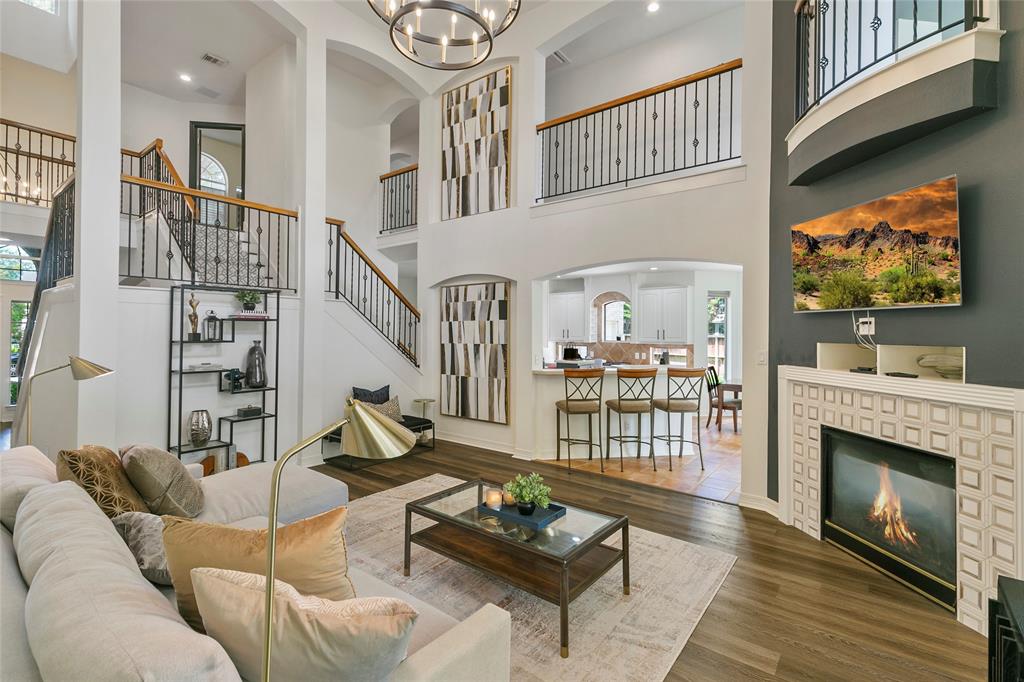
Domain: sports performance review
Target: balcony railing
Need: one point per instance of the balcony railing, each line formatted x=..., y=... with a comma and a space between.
x=839, y=40
x=687, y=123
x=36, y=162
x=398, y=194
x=170, y=232
x=351, y=275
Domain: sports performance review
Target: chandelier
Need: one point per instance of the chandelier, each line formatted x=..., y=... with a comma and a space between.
x=446, y=34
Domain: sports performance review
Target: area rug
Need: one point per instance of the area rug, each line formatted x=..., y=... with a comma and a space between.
x=611, y=636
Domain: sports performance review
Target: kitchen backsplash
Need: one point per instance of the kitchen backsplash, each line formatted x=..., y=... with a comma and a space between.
x=617, y=351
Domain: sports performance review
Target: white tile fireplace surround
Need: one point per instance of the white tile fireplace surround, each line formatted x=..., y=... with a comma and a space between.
x=981, y=427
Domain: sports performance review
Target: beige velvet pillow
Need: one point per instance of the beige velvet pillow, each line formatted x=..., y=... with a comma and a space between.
x=314, y=639
x=311, y=556
x=162, y=481
x=98, y=470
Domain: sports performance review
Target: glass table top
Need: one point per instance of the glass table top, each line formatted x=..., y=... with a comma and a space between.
x=557, y=539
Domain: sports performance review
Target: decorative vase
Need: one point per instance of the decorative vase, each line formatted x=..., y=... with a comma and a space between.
x=248, y=307
x=200, y=425
x=256, y=366
x=526, y=508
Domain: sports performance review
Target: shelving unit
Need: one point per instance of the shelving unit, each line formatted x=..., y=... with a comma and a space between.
x=269, y=330
x=888, y=358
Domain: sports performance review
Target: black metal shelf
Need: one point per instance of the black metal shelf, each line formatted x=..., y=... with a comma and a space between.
x=187, y=449
x=268, y=397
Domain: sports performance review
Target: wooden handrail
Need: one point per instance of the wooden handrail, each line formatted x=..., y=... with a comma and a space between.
x=657, y=89
x=373, y=266
x=393, y=173
x=37, y=129
x=158, y=145
x=189, y=192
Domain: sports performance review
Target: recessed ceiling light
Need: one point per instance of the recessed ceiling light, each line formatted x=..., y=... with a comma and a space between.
x=558, y=277
x=185, y=77
x=653, y=7
x=653, y=268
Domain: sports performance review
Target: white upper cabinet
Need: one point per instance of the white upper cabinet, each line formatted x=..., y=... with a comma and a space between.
x=662, y=315
x=567, y=317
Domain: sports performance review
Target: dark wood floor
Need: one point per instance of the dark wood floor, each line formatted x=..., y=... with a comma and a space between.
x=792, y=608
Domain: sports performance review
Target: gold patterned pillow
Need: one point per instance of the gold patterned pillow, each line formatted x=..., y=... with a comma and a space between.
x=98, y=470
x=391, y=409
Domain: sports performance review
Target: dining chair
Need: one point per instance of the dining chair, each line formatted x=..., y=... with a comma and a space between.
x=719, y=402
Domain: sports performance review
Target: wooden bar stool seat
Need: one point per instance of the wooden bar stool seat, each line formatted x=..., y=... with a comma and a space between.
x=582, y=398
x=683, y=397
x=636, y=393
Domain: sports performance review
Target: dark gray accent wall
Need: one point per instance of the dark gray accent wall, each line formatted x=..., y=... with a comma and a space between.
x=987, y=153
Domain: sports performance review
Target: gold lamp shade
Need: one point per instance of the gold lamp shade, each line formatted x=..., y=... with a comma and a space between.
x=372, y=435
x=82, y=369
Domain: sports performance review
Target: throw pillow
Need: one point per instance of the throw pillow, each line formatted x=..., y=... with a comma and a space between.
x=311, y=555
x=314, y=638
x=98, y=470
x=381, y=395
x=144, y=535
x=162, y=480
x=21, y=470
x=389, y=409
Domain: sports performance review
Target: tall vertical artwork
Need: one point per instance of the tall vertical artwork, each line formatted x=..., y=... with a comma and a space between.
x=476, y=146
x=475, y=351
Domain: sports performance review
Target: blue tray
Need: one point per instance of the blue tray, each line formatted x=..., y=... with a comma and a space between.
x=539, y=519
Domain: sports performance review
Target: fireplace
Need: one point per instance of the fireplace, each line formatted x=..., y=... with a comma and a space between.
x=893, y=507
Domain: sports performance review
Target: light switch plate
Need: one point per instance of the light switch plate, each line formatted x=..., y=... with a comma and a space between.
x=636, y=356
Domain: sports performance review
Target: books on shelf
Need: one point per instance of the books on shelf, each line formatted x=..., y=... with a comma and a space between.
x=250, y=315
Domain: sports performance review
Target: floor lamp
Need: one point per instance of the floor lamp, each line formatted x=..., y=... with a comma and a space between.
x=81, y=370
x=373, y=436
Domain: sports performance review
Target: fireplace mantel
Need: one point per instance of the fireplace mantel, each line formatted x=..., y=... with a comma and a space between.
x=980, y=427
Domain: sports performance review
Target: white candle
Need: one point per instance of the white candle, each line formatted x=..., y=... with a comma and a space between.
x=493, y=499
x=408, y=33
x=475, y=38
x=444, y=48
x=419, y=17
x=455, y=19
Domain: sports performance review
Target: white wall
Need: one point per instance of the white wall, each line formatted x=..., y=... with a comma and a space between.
x=37, y=95
x=727, y=281
x=50, y=40
x=146, y=116
x=707, y=43
x=9, y=293
x=269, y=129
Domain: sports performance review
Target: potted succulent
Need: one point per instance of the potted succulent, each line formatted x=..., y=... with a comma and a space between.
x=248, y=299
x=529, y=492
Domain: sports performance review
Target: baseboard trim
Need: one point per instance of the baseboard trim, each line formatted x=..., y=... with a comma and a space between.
x=527, y=455
x=483, y=443
x=760, y=503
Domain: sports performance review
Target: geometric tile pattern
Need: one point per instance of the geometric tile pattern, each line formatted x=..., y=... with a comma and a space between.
x=983, y=443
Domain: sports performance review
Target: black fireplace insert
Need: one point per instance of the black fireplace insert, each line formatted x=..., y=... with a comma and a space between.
x=893, y=507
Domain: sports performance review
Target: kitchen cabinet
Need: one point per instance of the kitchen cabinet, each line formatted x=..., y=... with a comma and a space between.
x=567, y=317
x=662, y=314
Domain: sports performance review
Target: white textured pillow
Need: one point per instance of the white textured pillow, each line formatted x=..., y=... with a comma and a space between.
x=21, y=470
x=314, y=638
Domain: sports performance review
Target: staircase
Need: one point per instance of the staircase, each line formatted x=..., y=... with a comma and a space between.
x=353, y=277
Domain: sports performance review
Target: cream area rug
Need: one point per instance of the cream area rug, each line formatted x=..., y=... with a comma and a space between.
x=612, y=636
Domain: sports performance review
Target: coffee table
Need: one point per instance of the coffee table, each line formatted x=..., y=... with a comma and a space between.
x=557, y=563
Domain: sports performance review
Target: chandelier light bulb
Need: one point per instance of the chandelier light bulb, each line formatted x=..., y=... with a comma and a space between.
x=419, y=18
x=444, y=49
x=653, y=7
x=408, y=33
x=476, y=37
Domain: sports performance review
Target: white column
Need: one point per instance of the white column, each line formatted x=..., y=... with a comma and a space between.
x=97, y=213
x=311, y=191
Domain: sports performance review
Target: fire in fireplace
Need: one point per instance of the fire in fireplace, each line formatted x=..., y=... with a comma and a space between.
x=895, y=508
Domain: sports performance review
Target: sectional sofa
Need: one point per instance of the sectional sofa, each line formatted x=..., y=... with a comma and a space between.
x=75, y=606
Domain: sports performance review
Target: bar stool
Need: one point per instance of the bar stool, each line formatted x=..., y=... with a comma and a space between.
x=636, y=393
x=683, y=397
x=582, y=397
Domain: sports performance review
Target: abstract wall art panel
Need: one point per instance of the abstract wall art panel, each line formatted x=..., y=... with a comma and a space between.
x=476, y=143
x=475, y=351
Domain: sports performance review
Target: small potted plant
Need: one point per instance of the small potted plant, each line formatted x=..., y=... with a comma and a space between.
x=529, y=492
x=248, y=299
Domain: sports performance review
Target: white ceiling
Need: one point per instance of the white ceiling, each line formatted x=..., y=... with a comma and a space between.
x=627, y=24
x=644, y=267
x=357, y=67
x=160, y=40
x=406, y=124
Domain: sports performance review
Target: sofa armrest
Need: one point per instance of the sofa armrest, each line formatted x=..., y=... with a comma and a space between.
x=479, y=648
x=195, y=469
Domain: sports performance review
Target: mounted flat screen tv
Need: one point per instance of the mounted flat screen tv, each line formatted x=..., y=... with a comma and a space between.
x=900, y=251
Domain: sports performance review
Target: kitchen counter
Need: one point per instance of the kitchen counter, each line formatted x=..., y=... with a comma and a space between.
x=607, y=370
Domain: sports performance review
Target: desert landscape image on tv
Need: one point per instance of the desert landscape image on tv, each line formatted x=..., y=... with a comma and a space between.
x=900, y=250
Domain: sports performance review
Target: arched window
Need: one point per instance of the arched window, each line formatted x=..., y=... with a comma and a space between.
x=213, y=179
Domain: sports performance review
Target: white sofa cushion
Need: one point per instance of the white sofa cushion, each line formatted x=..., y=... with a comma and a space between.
x=16, y=662
x=243, y=492
x=89, y=611
x=431, y=624
x=21, y=470
x=314, y=639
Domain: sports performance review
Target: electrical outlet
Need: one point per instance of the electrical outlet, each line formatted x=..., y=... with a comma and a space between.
x=636, y=356
x=762, y=358
x=866, y=326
